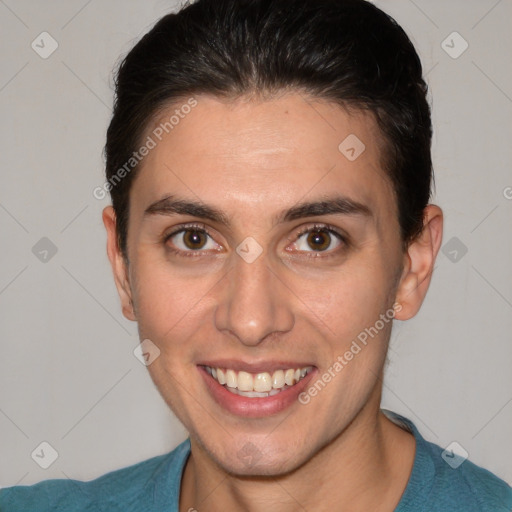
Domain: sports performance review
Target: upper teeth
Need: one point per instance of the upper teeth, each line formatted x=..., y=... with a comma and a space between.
x=259, y=382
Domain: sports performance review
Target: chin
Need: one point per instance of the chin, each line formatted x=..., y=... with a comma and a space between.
x=270, y=467
x=259, y=457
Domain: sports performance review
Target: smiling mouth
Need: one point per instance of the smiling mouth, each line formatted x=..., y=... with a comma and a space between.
x=257, y=385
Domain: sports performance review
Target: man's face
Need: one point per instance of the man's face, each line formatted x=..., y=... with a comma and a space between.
x=210, y=298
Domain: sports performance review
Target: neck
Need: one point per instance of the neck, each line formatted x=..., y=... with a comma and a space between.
x=366, y=467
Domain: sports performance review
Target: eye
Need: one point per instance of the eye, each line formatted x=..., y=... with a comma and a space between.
x=189, y=239
x=319, y=238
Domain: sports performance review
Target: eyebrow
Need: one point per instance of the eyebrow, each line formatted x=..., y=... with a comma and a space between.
x=339, y=205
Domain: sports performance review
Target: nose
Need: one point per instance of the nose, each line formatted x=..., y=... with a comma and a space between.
x=254, y=302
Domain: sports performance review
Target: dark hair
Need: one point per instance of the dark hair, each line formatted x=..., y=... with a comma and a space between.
x=345, y=51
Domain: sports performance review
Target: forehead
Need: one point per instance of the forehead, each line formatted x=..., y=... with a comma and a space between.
x=263, y=156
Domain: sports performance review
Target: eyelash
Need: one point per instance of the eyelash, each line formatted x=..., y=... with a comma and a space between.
x=202, y=228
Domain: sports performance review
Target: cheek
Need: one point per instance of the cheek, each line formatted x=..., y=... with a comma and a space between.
x=356, y=320
x=171, y=313
x=347, y=301
x=170, y=303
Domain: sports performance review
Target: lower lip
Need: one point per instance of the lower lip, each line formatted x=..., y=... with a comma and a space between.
x=256, y=407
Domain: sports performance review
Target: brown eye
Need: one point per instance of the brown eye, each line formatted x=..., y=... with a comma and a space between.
x=194, y=239
x=319, y=240
x=190, y=240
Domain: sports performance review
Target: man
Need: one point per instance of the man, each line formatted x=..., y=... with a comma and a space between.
x=269, y=166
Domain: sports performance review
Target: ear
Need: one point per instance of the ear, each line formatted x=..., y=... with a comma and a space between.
x=419, y=262
x=118, y=263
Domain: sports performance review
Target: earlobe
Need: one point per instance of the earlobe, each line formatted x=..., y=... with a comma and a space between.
x=118, y=264
x=419, y=260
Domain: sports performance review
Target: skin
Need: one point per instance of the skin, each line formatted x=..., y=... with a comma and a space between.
x=252, y=159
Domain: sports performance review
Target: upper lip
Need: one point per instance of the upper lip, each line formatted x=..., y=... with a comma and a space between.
x=254, y=366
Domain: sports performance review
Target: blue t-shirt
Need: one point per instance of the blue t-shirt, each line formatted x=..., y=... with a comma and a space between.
x=154, y=485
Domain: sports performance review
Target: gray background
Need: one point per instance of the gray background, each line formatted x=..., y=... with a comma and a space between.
x=68, y=375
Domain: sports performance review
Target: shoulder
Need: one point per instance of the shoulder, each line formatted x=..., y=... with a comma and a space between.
x=443, y=481
x=467, y=485
x=123, y=489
